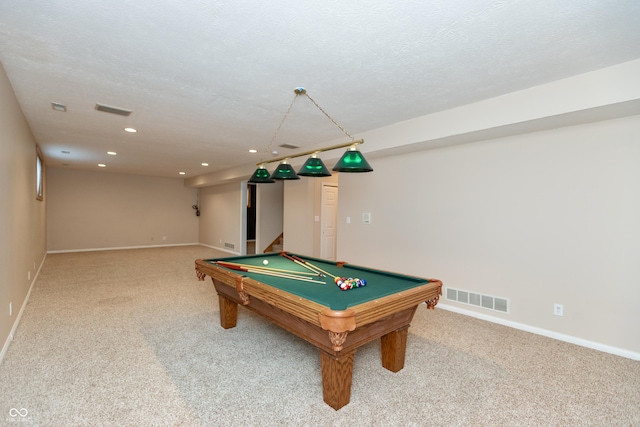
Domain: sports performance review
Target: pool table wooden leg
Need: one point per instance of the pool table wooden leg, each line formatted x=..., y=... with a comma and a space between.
x=394, y=345
x=228, y=312
x=337, y=372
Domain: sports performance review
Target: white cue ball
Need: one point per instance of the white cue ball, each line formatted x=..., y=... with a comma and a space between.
x=265, y=262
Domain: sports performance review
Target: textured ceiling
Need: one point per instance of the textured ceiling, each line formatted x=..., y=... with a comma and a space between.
x=207, y=81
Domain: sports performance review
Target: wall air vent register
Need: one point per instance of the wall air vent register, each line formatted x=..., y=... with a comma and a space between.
x=478, y=300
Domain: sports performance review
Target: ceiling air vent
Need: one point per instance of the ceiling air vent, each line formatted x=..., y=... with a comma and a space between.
x=59, y=107
x=113, y=110
x=289, y=146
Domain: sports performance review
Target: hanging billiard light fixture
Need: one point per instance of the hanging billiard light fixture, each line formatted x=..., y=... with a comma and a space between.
x=352, y=160
x=284, y=171
x=314, y=166
x=261, y=176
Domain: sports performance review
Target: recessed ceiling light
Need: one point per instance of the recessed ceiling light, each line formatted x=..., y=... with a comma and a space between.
x=111, y=153
x=253, y=151
x=205, y=164
x=182, y=173
x=130, y=130
x=102, y=165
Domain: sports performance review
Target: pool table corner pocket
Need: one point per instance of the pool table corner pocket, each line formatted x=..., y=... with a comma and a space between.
x=337, y=320
x=201, y=275
x=431, y=303
x=338, y=323
x=240, y=289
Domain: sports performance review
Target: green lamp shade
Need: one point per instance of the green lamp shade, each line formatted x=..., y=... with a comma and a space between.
x=284, y=171
x=314, y=167
x=261, y=176
x=352, y=161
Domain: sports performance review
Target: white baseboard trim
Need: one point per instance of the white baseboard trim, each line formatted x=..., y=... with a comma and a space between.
x=545, y=332
x=9, y=339
x=220, y=249
x=122, y=247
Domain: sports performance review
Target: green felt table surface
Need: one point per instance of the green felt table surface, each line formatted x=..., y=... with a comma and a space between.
x=379, y=283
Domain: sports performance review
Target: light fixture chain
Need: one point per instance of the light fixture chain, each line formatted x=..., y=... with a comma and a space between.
x=275, y=134
x=328, y=116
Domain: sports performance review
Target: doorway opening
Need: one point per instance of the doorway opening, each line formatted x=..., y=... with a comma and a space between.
x=251, y=218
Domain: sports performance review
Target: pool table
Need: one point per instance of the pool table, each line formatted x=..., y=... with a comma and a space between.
x=315, y=309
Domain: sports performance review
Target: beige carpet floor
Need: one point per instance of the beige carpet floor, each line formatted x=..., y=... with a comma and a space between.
x=132, y=338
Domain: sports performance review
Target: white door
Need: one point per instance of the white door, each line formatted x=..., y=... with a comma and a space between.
x=329, y=221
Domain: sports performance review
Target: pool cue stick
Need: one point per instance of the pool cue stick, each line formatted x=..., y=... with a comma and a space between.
x=290, y=258
x=307, y=273
x=269, y=273
x=285, y=276
x=274, y=270
x=254, y=269
x=317, y=268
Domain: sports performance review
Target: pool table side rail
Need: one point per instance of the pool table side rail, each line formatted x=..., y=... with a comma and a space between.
x=428, y=293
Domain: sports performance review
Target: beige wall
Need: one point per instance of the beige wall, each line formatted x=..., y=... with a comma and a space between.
x=100, y=210
x=299, y=197
x=269, y=224
x=302, y=203
x=288, y=207
x=221, y=216
x=22, y=217
x=540, y=218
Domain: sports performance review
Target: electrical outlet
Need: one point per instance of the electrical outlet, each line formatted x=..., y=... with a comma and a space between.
x=558, y=309
x=10, y=309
